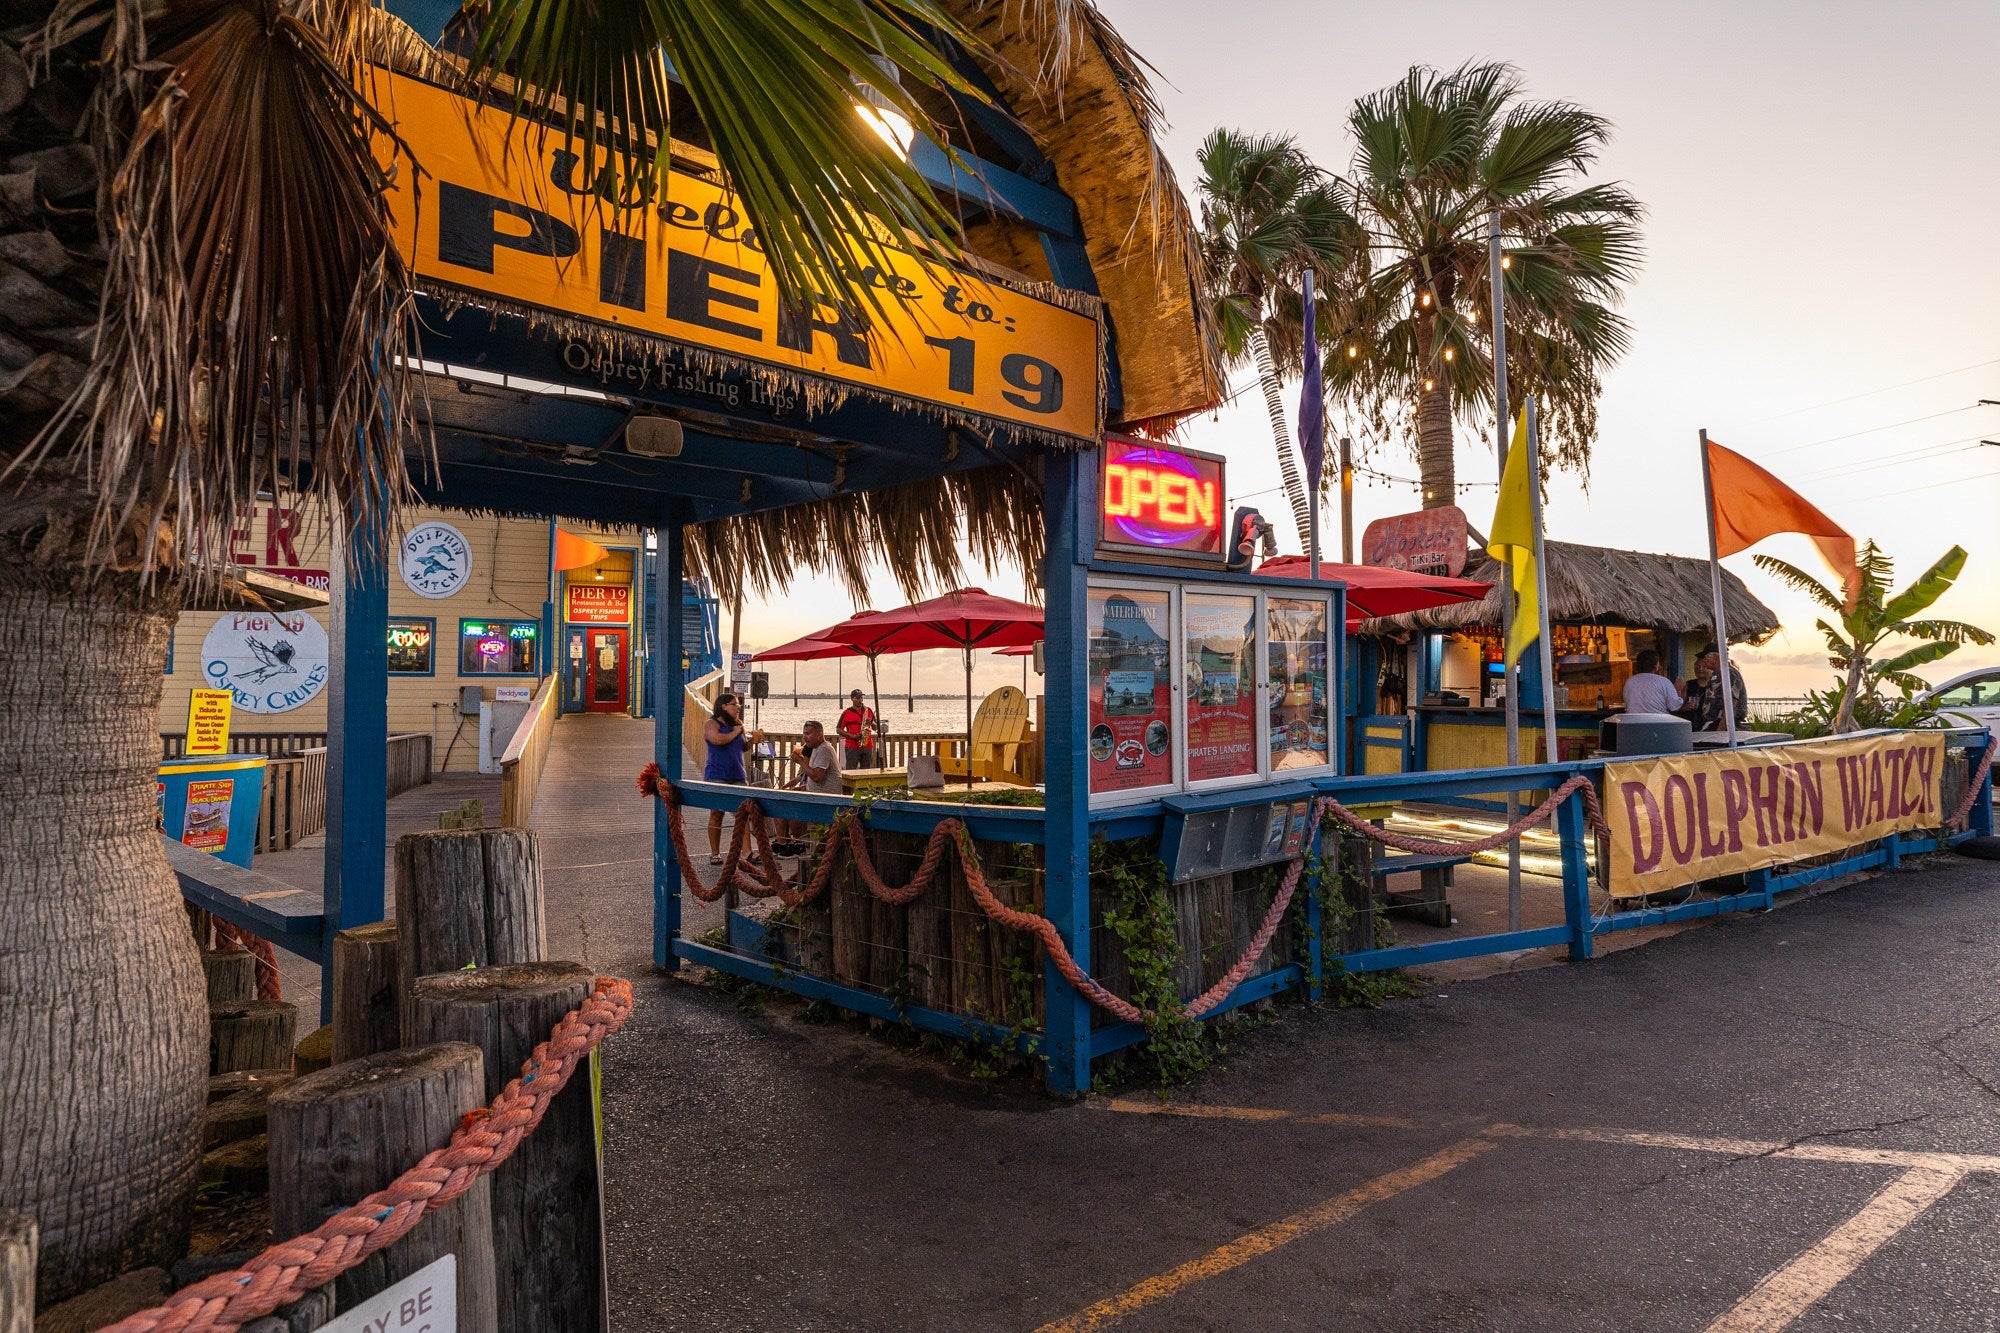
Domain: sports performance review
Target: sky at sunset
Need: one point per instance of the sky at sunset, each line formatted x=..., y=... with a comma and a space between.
x=1819, y=289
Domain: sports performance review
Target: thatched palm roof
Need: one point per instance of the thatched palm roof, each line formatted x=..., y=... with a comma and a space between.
x=1598, y=585
x=1083, y=93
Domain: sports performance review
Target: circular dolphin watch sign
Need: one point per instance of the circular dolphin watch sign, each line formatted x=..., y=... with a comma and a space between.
x=271, y=662
x=436, y=560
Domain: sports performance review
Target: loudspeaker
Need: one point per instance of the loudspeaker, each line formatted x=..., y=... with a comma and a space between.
x=653, y=437
x=760, y=685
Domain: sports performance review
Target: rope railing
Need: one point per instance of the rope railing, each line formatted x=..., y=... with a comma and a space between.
x=483, y=1140
x=847, y=833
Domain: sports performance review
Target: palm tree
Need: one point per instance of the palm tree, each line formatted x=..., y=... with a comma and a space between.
x=204, y=300
x=1436, y=155
x=1267, y=214
x=1854, y=642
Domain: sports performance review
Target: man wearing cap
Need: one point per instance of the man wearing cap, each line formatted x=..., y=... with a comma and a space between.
x=857, y=728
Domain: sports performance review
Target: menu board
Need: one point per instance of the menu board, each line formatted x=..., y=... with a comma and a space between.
x=1296, y=633
x=1131, y=675
x=1220, y=654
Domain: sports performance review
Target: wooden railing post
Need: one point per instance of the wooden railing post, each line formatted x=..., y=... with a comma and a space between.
x=341, y=1134
x=548, y=1245
x=470, y=896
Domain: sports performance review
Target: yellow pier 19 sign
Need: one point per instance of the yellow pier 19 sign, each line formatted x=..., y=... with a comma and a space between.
x=208, y=721
x=1683, y=818
x=498, y=208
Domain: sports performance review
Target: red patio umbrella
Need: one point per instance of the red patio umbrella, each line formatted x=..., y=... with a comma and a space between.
x=807, y=649
x=1020, y=650
x=1375, y=591
x=966, y=619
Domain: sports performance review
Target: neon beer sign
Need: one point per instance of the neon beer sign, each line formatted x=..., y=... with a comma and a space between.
x=1157, y=501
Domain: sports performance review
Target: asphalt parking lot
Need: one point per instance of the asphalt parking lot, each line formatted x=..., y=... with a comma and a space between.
x=1778, y=1121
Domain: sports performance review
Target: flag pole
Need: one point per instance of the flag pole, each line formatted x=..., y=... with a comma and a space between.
x=1312, y=480
x=1542, y=581
x=1510, y=679
x=1346, y=500
x=1715, y=592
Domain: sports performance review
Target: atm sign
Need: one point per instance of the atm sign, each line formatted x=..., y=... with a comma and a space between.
x=1161, y=501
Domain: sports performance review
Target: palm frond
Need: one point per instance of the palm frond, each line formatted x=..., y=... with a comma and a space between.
x=1799, y=581
x=1949, y=631
x=1932, y=584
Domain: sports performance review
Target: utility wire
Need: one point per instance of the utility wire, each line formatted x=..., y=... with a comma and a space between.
x=1876, y=430
x=1870, y=393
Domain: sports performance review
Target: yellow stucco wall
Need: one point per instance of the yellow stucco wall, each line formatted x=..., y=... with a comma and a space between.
x=509, y=580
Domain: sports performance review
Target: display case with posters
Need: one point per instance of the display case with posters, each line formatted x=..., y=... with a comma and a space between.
x=1296, y=645
x=1219, y=654
x=1131, y=742
x=1195, y=686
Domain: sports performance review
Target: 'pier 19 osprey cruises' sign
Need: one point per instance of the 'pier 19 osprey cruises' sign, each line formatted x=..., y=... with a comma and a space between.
x=499, y=208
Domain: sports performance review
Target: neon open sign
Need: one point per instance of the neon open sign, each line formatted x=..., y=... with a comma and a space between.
x=1161, y=501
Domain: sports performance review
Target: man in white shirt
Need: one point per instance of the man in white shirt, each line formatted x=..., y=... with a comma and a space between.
x=819, y=771
x=1649, y=690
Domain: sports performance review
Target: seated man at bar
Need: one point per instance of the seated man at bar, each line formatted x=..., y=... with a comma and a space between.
x=819, y=771
x=1649, y=690
x=1704, y=696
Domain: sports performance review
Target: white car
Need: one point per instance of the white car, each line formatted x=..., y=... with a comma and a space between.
x=1970, y=700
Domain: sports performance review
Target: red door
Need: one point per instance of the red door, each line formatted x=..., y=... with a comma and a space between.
x=604, y=670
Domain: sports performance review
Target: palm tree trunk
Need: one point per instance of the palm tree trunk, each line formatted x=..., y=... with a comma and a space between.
x=1857, y=666
x=1435, y=462
x=1281, y=436
x=101, y=992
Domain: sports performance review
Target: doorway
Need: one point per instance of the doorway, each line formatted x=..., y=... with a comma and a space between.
x=604, y=670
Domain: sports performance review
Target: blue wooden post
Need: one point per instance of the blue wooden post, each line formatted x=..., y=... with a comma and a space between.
x=1981, y=820
x=1066, y=1039
x=357, y=744
x=670, y=611
x=1572, y=830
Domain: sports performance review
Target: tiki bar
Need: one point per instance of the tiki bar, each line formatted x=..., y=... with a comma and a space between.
x=1231, y=761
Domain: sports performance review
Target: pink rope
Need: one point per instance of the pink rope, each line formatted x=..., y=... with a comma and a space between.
x=847, y=830
x=1974, y=782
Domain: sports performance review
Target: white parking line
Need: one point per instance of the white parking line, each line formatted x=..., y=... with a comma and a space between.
x=1799, y=1285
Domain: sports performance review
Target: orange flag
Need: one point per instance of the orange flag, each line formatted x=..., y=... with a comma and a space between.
x=574, y=552
x=1751, y=504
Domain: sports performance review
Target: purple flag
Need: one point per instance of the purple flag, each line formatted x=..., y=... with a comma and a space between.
x=1312, y=401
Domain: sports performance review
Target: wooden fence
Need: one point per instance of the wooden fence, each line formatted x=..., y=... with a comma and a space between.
x=294, y=802
x=521, y=763
x=173, y=744
x=891, y=751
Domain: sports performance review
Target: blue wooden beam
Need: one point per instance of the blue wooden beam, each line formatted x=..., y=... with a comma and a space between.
x=994, y=188
x=357, y=744
x=1066, y=851
x=668, y=712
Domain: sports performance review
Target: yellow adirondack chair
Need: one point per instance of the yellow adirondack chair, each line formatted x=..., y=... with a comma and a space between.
x=999, y=729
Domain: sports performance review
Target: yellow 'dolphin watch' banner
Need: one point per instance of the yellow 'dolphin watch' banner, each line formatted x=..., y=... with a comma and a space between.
x=1681, y=818
x=499, y=207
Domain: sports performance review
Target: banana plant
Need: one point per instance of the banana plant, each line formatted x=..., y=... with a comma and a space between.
x=1855, y=639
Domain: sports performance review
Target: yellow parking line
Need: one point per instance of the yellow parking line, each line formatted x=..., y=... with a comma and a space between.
x=1795, y=1288
x=1269, y=1237
x=1206, y=1111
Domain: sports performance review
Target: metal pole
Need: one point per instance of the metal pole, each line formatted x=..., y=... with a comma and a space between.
x=912, y=688
x=1511, y=678
x=1715, y=592
x=1542, y=578
x=1346, y=500
x=1312, y=513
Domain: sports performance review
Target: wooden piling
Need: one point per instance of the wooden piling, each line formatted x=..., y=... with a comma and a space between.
x=251, y=1034
x=366, y=1014
x=341, y=1134
x=17, y=1273
x=231, y=974
x=464, y=897
x=548, y=1241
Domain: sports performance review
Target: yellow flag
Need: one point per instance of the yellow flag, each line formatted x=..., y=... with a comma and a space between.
x=1511, y=540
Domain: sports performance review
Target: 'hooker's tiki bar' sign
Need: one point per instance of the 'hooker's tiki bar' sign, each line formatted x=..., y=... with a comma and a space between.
x=1683, y=818
x=500, y=208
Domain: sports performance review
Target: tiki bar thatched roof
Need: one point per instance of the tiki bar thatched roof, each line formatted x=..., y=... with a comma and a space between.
x=1083, y=93
x=1598, y=585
